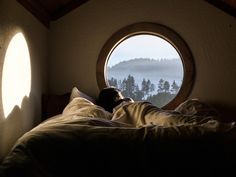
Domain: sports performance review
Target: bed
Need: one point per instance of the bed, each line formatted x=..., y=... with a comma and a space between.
x=136, y=140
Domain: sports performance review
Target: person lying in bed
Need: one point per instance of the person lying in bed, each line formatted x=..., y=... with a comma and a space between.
x=139, y=113
x=111, y=97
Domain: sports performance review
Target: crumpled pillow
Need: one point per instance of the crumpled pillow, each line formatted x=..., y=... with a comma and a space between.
x=82, y=107
x=75, y=92
x=197, y=107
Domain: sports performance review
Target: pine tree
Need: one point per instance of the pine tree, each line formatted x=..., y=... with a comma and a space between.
x=160, y=86
x=166, y=86
x=152, y=87
x=148, y=87
x=144, y=83
x=128, y=86
x=174, y=87
x=138, y=94
x=113, y=82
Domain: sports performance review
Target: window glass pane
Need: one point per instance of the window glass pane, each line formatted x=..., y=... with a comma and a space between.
x=147, y=68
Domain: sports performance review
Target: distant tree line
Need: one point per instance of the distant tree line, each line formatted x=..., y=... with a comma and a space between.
x=158, y=95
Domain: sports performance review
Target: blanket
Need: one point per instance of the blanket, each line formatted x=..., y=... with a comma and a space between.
x=85, y=140
x=144, y=113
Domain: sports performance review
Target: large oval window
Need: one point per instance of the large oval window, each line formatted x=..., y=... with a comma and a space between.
x=147, y=62
x=16, y=77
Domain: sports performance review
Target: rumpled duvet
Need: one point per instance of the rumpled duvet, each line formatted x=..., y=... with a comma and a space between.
x=136, y=140
x=144, y=113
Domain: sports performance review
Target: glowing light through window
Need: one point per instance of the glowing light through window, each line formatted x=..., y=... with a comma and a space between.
x=146, y=68
x=16, y=78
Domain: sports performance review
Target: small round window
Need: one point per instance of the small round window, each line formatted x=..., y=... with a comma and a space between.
x=147, y=62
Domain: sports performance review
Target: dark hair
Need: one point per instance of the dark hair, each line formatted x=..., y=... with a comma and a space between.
x=108, y=98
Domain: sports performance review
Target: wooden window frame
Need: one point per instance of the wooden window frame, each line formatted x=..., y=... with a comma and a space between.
x=161, y=31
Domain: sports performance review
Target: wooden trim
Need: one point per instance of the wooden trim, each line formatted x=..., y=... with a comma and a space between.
x=161, y=31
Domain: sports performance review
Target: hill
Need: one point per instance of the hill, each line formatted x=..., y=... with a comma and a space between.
x=154, y=70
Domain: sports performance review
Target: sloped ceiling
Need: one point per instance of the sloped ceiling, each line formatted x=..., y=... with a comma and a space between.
x=48, y=10
x=229, y=6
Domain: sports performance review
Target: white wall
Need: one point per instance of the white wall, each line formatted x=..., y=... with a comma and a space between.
x=14, y=18
x=77, y=38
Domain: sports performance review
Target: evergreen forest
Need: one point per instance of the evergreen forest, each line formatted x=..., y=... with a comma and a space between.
x=159, y=95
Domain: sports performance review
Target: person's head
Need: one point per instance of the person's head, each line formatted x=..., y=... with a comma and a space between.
x=109, y=98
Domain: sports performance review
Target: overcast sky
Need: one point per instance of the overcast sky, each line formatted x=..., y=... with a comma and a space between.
x=142, y=46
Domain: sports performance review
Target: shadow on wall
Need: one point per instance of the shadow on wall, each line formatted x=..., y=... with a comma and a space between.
x=227, y=113
x=15, y=125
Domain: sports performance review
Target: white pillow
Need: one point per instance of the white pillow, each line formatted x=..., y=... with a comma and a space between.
x=75, y=92
x=82, y=107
